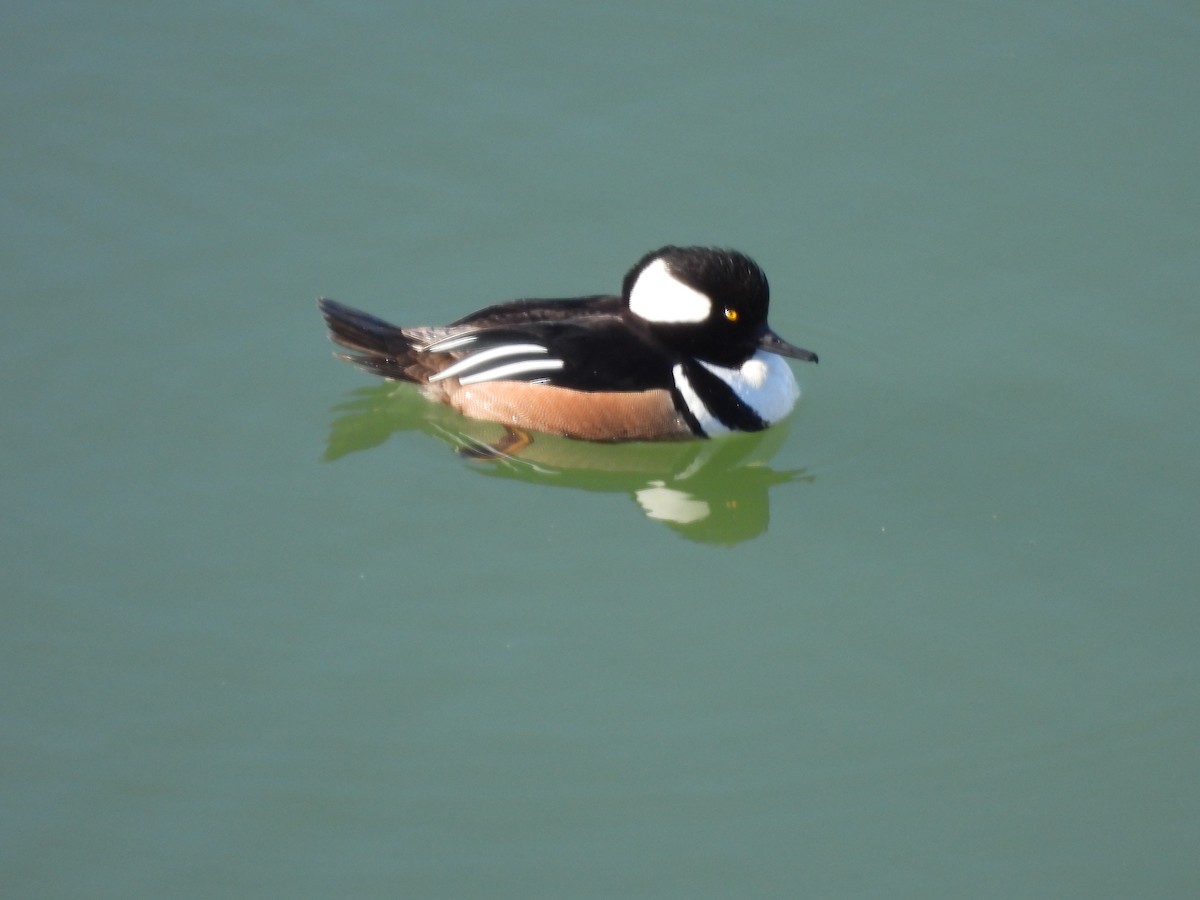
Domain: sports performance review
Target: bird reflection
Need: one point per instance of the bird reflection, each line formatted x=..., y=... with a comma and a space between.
x=714, y=491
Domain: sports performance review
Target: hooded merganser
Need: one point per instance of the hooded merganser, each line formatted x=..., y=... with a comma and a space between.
x=684, y=352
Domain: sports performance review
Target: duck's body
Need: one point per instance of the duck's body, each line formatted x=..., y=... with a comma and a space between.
x=684, y=352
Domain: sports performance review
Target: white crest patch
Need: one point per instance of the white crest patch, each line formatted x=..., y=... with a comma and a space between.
x=658, y=296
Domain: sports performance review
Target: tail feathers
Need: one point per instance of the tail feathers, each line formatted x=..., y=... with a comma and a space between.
x=381, y=347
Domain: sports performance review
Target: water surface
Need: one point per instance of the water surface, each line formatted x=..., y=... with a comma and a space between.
x=266, y=634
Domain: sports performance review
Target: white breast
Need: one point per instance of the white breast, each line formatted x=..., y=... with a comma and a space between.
x=764, y=382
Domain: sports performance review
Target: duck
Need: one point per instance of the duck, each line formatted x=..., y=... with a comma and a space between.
x=683, y=352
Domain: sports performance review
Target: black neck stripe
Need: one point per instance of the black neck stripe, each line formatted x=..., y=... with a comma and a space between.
x=720, y=399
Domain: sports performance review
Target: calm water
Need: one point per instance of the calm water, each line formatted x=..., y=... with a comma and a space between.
x=264, y=633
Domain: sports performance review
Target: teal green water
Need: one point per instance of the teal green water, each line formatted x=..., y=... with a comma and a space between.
x=265, y=635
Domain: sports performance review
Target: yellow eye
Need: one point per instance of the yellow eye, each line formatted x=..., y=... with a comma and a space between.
x=731, y=314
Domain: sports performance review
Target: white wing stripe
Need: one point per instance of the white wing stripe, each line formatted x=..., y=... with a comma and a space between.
x=475, y=360
x=450, y=343
x=513, y=368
